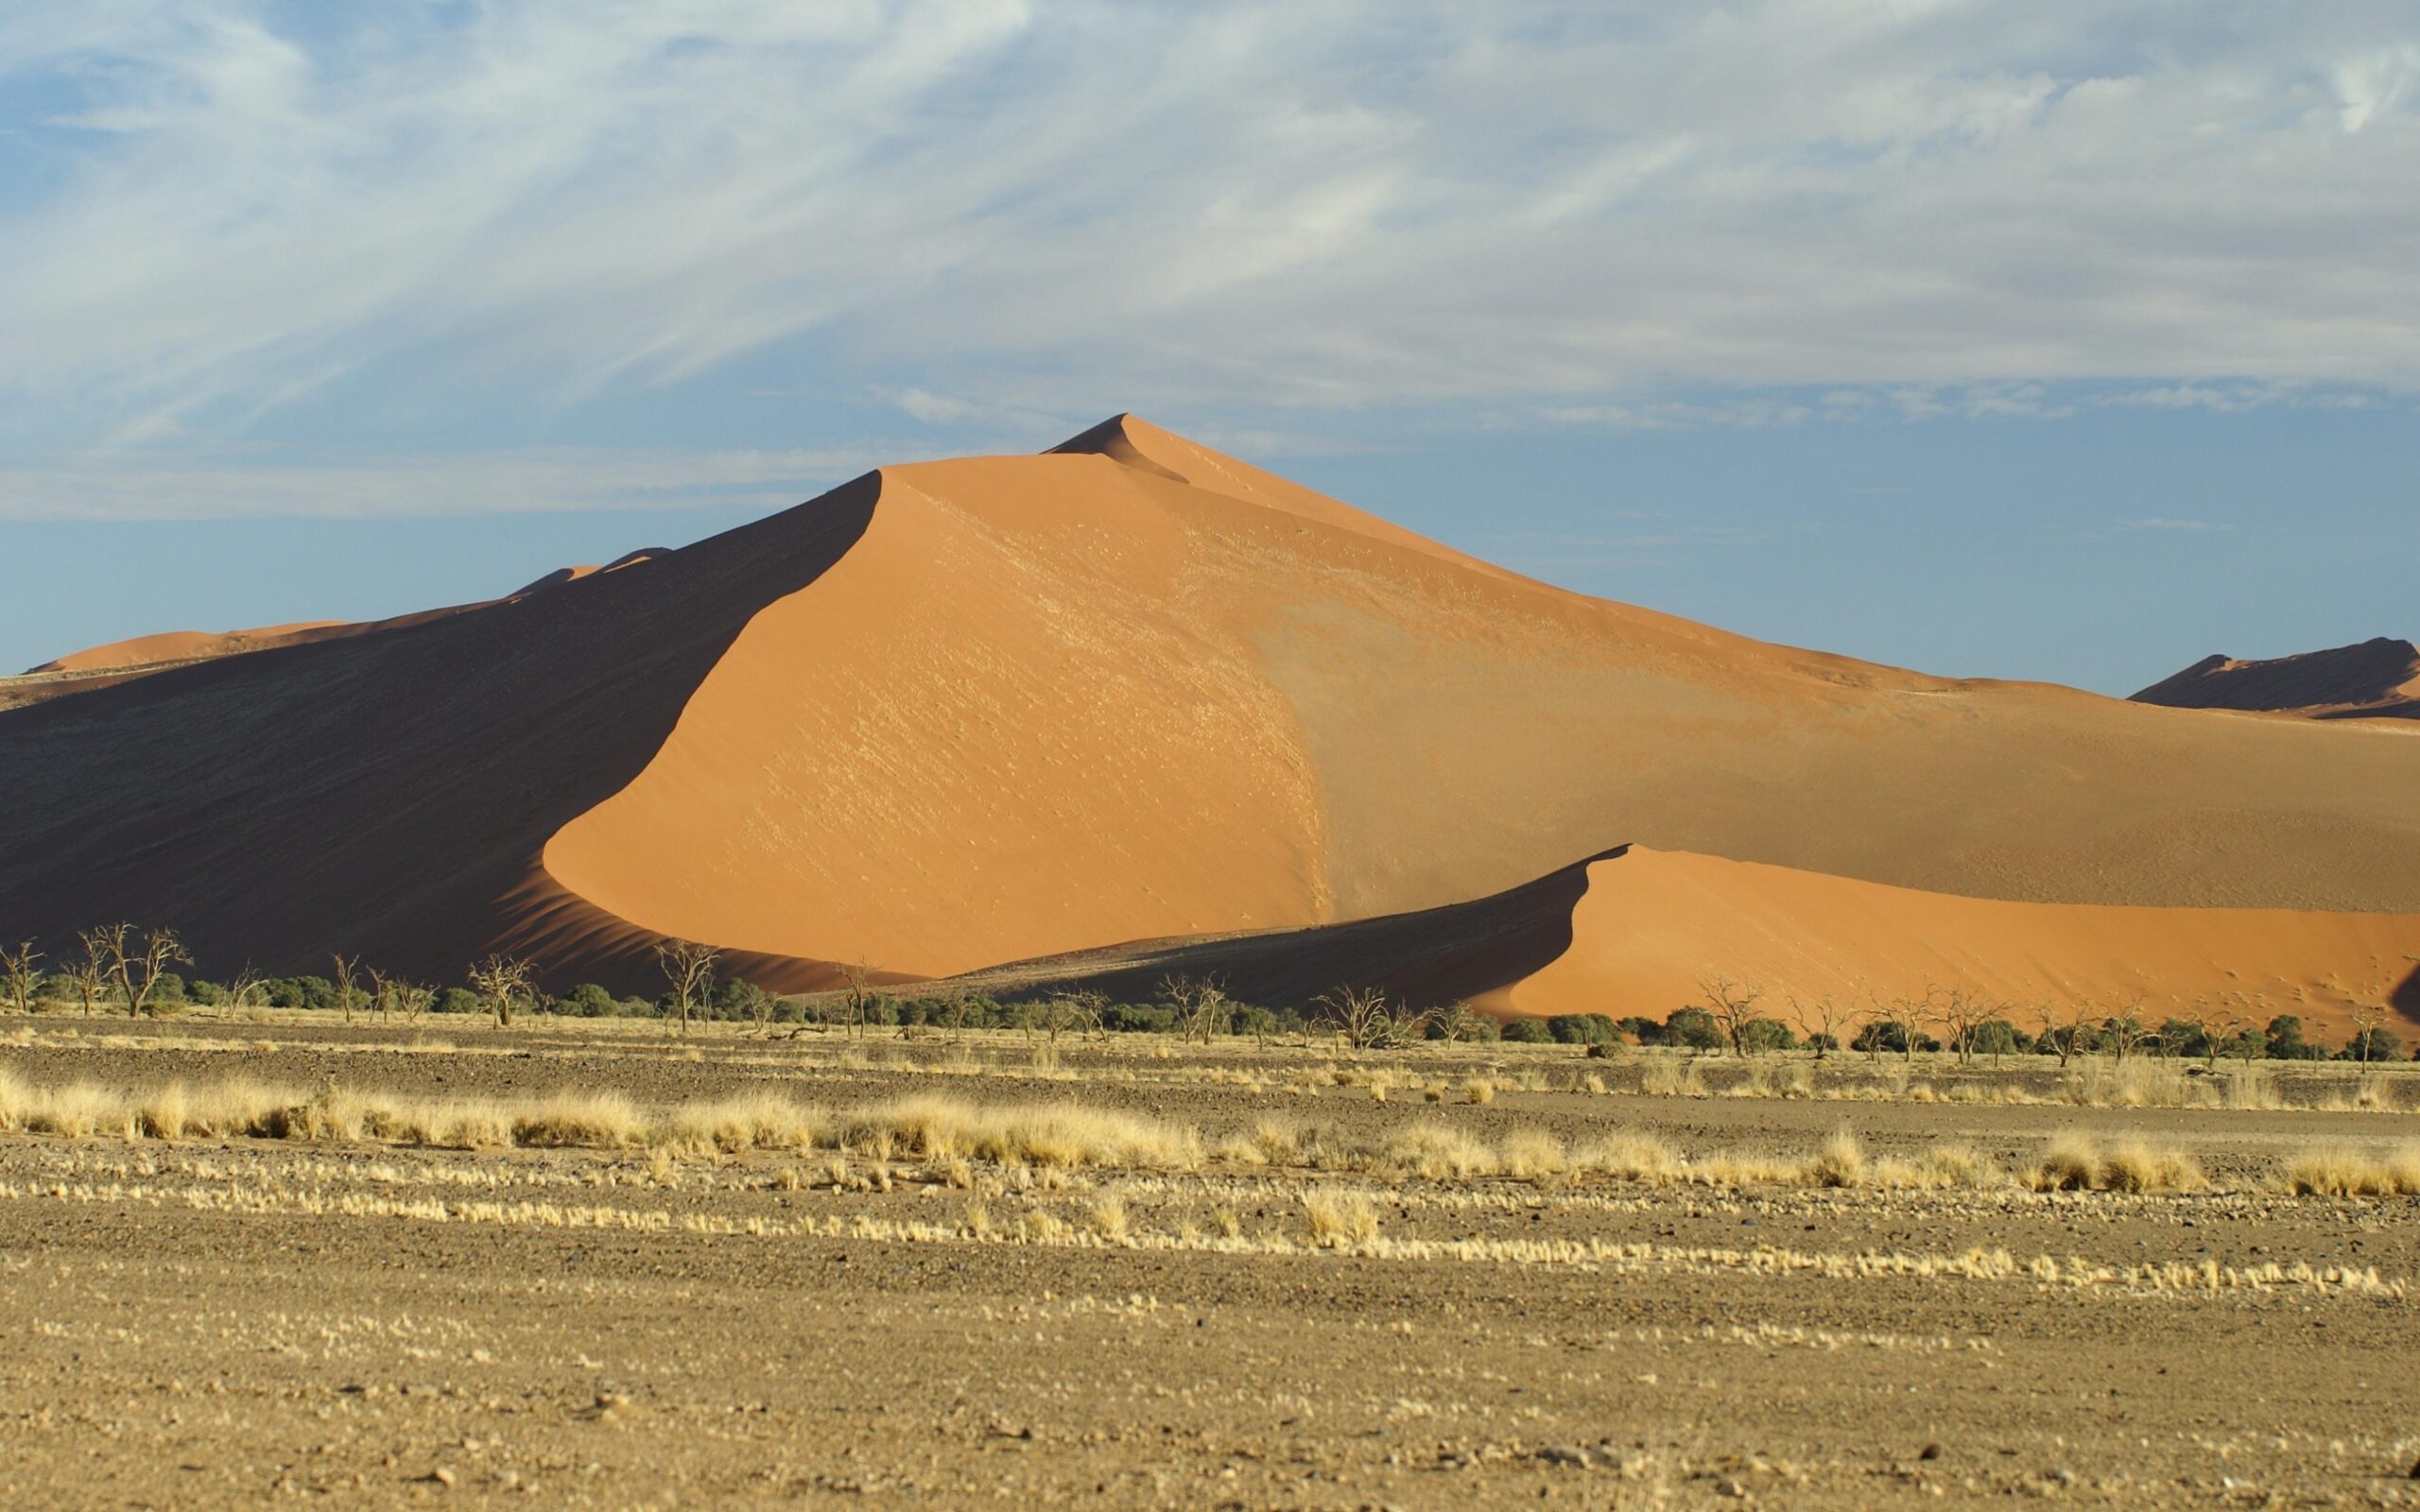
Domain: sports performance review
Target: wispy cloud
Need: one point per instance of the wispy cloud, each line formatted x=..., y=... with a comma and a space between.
x=155, y=488
x=2163, y=523
x=214, y=211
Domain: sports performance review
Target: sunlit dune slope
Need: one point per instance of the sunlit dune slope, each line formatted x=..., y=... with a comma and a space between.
x=1651, y=925
x=965, y=712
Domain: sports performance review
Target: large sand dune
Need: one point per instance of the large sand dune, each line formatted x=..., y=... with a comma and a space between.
x=967, y=712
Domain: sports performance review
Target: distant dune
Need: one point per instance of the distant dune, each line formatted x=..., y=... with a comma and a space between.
x=960, y=713
x=2377, y=680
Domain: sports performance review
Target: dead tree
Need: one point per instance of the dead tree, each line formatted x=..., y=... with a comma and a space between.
x=2367, y=1018
x=1959, y=1014
x=18, y=966
x=1081, y=1012
x=1732, y=1007
x=382, y=995
x=1820, y=1021
x=689, y=967
x=501, y=982
x=343, y=970
x=857, y=996
x=1456, y=1023
x=1367, y=1021
x=1200, y=1006
x=137, y=967
x=2065, y=1035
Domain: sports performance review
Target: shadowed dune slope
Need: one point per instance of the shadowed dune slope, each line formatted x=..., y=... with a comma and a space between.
x=2377, y=680
x=981, y=710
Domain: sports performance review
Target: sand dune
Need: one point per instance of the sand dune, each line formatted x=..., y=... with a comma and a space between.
x=965, y=712
x=2375, y=679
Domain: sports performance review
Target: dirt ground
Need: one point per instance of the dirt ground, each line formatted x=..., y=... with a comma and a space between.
x=232, y=1322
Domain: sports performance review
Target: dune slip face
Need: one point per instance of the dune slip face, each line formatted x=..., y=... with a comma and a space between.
x=958, y=714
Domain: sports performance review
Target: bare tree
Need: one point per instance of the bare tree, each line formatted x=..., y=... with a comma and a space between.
x=2127, y=1032
x=383, y=990
x=1732, y=1007
x=502, y=982
x=689, y=967
x=2065, y=1035
x=1367, y=1021
x=1080, y=1012
x=1959, y=1013
x=1820, y=1021
x=18, y=966
x=136, y=966
x=343, y=970
x=2367, y=1018
x=1201, y=1005
x=857, y=995
x=1456, y=1021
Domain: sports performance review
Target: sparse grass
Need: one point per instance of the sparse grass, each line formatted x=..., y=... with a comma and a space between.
x=2074, y=1163
x=1479, y=1091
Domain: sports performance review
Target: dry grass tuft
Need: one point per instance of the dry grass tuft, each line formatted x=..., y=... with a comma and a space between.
x=1339, y=1222
x=2348, y=1171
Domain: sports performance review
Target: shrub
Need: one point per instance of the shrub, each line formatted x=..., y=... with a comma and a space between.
x=1528, y=1032
x=1581, y=1029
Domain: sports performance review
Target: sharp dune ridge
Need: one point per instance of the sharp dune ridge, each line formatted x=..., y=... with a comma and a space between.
x=959, y=714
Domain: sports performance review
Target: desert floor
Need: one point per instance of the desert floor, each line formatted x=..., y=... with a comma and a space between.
x=814, y=1271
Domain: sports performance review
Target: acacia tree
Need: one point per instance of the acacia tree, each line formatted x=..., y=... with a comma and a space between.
x=690, y=968
x=136, y=966
x=18, y=966
x=857, y=994
x=1200, y=1006
x=342, y=971
x=501, y=982
x=1732, y=1007
x=1079, y=1011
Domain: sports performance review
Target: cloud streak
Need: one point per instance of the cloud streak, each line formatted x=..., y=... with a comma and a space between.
x=1629, y=216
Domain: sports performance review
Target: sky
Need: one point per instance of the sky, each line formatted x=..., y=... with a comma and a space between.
x=2065, y=342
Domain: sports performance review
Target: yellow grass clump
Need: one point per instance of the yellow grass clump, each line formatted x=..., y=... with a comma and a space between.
x=2348, y=1171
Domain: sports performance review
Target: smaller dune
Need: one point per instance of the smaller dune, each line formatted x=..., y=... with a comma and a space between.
x=2375, y=679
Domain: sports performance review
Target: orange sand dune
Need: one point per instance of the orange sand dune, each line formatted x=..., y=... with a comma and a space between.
x=2377, y=680
x=964, y=712
x=1652, y=924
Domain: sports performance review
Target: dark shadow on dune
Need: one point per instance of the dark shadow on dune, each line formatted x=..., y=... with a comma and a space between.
x=1427, y=958
x=2406, y=999
x=383, y=793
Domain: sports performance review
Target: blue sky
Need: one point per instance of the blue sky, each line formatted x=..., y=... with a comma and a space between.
x=2024, y=340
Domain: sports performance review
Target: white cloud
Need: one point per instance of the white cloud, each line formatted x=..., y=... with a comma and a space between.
x=1626, y=214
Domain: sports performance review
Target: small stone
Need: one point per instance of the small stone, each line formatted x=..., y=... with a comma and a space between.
x=2414, y=1472
x=1564, y=1454
x=1930, y=1452
x=441, y=1476
x=1731, y=1486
